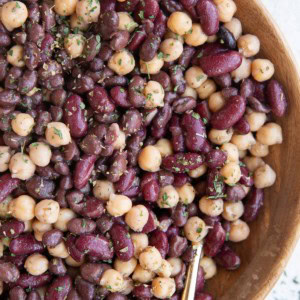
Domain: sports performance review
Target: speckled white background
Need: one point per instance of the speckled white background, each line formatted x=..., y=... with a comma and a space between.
x=287, y=15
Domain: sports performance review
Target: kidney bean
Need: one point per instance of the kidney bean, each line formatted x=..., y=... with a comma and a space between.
x=180, y=179
x=83, y=170
x=227, y=38
x=257, y=105
x=214, y=240
x=208, y=15
x=181, y=162
x=3, y=67
x=25, y=244
x=81, y=226
x=178, y=245
x=93, y=207
x=11, y=139
x=12, y=228
x=188, y=254
x=163, y=78
x=7, y=185
x=73, y=295
x=33, y=295
x=99, y=100
x=104, y=223
x=108, y=24
x=203, y=296
x=177, y=79
x=149, y=47
x=215, y=186
x=31, y=281
x=184, y=104
x=9, y=98
x=159, y=240
x=135, y=92
x=108, y=5
x=44, y=117
x=81, y=85
x=227, y=258
x=71, y=152
x=94, y=245
x=160, y=24
x=254, y=202
x=120, y=97
x=221, y=63
x=48, y=16
x=31, y=55
x=177, y=134
x=224, y=80
x=8, y=272
x=172, y=231
x=246, y=178
x=91, y=144
x=162, y=118
x=27, y=82
x=76, y=254
x=85, y=288
x=17, y=293
x=203, y=110
x=247, y=88
x=235, y=193
x=127, y=5
x=151, y=224
x=59, y=288
x=180, y=278
x=131, y=121
x=137, y=39
x=146, y=10
x=125, y=180
x=40, y=188
x=46, y=48
x=118, y=167
x=92, y=272
x=179, y=215
x=229, y=92
x=259, y=90
x=165, y=178
x=215, y=158
x=52, y=238
x=242, y=126
x=119, y=40
x=57, y=266
x=186, y=56
x=230, y=114
x=5, y=39
x=12, y=78
x=56, y=113
x=171, y=6
x=142, y=292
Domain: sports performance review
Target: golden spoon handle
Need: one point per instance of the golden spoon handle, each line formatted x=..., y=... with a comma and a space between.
x=191, y=277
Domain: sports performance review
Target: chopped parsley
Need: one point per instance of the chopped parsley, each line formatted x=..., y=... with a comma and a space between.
x=122, y=90
x=83, y=223
x=58, y=132
x=200, y=54
x=82, y=105
x=199, y=77
x=59, y=288
x=120, y=62
x=141, y=14
x=199, y=230
x=195, y=115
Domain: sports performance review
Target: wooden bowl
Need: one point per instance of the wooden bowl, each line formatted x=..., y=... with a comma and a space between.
x=274, y=234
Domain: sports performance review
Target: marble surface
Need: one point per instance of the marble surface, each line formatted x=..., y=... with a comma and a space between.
x=286, y=14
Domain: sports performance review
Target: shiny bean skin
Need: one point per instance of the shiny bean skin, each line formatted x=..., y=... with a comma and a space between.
x=9, y=98
x=257, y=105
x=215, y=158
x=56, y=293
x=75, y=253
x=242, y=126
x=227, y=258
x=203, y=110
x=12, y=228
x=253, y=204
x=99, y=100
x=259, y=90
x=57, y=266
x=40, y=188
x=179, y=215
x=48, y=16
x=118, y=167
x=159, y=240
x=208, y=15
x=52, y=238
x=160, y=24
x=177, y=134
x=247, y=88
x=120, y=97
x=224, y=81
x=31, y=281
x=149, y=8
x=178, y=245
x=214, y=240
x=188, y=254
x=7, y=185
x=151, y=223
x=17, y=293
x=171, y=5
x=229, y=92
x=214, y=183
x=93, y=207
x=208, y=49
x=177, y=79
x=142, y=291
x=31, y=55
x=246, y=177
x=33, y=295
x=135, y=91
x=92, y=272
x=230, y=114
x=25, y=244
x=180, y=278
x=227, y=37
x=149, y=47
x=221, y=63
x=8, y=272
x=131, y=121
x=163, y=78
x=128, y=5
x=184, y=104
x=108, y=24
x=235, y=193
x=125, y=181
x=85, y=289
x=137, y=40
x=186, y=56
x=107, y=5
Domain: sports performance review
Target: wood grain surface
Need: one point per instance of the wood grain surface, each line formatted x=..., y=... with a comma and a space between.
x=274, y=234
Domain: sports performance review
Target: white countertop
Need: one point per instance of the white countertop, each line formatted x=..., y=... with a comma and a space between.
x=286, y=13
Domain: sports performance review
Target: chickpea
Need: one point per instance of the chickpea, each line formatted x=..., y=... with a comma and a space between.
x=4, y=208
x=38, y=235
x=195, y=77
x=36, y=264
x=22, y=208
x=220, y=137
x=231, y=173
x=179, y=22
x=259, y=150
x=243, y=141
x=211, y=207
x=198, y=172
x=15, y=56
x=239, y=231
x=168, y=197
x=140, y=242
x=190, y=92
x=150, y=259
x=57, y=134
x=13, y=14
x=232, y=152
x=59, y=250
x=137, y=217
x=163, y=288
x=21, y=166
x=141, y=275
x=149, y=159
x=252, y=163
x=47, y=211
x=242, y=153
x=22, y=124
x=122, y=62
x=256, y=120
x=226, y=9
x=195, y=37
x=40, y=154
x=216, y=101
x=103, y=189
x=264, y=177
x=209, y=267
x=128, y=286
x=207, y=89
x=153, y=66
x=39, y=226
x=70, y=261
x=118, y=205
x=154, y=94
x=233, y=210
x=164, y=146
x=262, y=69
x=243, y=71
x=28, y=226
x=176, y=265
x=88, y=10
x=165, y=270
x=195, y=229
x=235, y=27
x=5, y=156
x=126, y=22
x=186, y=193
x=74, y=44
x=76, y=22
x=120, y=142
x=125, y=268
x=172, y=49
x=65, y=7
x=171, y=35
x=249, y=45
x=270, y=134
x=64, y=216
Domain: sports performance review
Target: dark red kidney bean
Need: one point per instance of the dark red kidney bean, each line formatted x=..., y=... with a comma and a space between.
x=184, y=104
x=259, y=90
x=134, y=145
x=96, y=64
x=94, y=245
x=116, y=296
x=115, y=81
x=230, y=114
x=242, y=126
x=163, y=78
x=107, y=5
x=8, y=272
x=246, y=178
x=131, y=121
x=12, y=79
x=31, y=55
x=215, y=158
x=188, y=2
x=73, y=295
x=81, y=85
x=62, y=168
x=214, y=240
x=93, y=208
x=108, y=24
x=48, y=70
x=75, y=253
x=149, y=47
x=209, y=17
x=48, y=16
x=59, y=288
x=188, y=255
x=120, y=96
x=83, y=170
x=142, y=292
x=203, y=110
x=127, y=5
x=74, y=116
x=40, y=188
x=46, y=50
x=58, y=97
x=92, y=272
x=179, y=215
x=151, y=224
x=135, y=92
x=57, y=266
x=44, y=117
x=71, y=152
x=85, y=288
x=254, y=202
x=146, y=10
x=229, y=92
x=276, y=98
x=186, y=56
x=221, y=63
x=203, y=296
x=105, y=52
x=92, y=48
x=12, y=228
x=81, y=226
x=192, y=210
x=125, y=180
x=91, y=144
x=122, y=242
x=180, y=278
x=177, y=245
x=182, y=162
x=159, y=240
x=224, y=81
x=17, y=260
x=117, y=167
x=227, y=38
x=172, y=231
x=170, y=97
x=31, y=281
x=33, y=295
x=162, y=118
x=75, y=200
x=171, y=6
x=195, y=132
x=164, y=222
x=11, y=139
x=200, y=280
x=257, y=105
x=150, y=191
x=56, y=113
x=47, y=173
x=165, y=178
x=99, y=100
x=7, y=185
x=177, y=134
x=137, y=40
x=17, y=293
x=215, y=186
x=104, y=223
x=227, y=258
x=9, y=98
x=175, y=297
x=177, y=79
x=25, y=244
x=5, y=39
x=3, y=67
x=235, y=193
x=247, y=88
x=160, y=24
x=35, y=33
x=52, y=237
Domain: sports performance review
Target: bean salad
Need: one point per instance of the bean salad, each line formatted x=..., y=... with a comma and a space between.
x=130, y=130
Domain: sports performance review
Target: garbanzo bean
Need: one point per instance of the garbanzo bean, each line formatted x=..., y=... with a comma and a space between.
x=195, y=229
x=21, y=166
x=137, y=217
x=264, y=177
x=172, y=49
x=262, y=69
x=103, y=189
x=140, y=242
x=226, y=9
x=206, y=89
x=211, y=207
x=186, y=193
x=15, y=56
x=220, y=137
x=36, y=264
x=76, y=22
x=74, y=44
x=65, y=7
x=22, y=124
x=248, y=45
x=209, y=267
x=165, y=270
x=59, y=250
x=47, y=211
x=88, y=10
x=195, y=77
x=64, y=216
x=22, y=208
x=112, y=280
x=13, y=14
x=168, y=197
x=5, y=156
x=57, y=134
x=164, y=146
x=118, y=205
x=141, y=275
x=235, y=27
x=231, y=173
x=163, y=288
x=233, y=210
x=154, y=94
x=239, y=231
x=270, y=134
x=179, y=22
x=40, y=154
x=122, y=62
x=150, y=259
x=126, y=268
x=126, y=22
x=196, y=37
x=153, y=66
x=150, y=159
